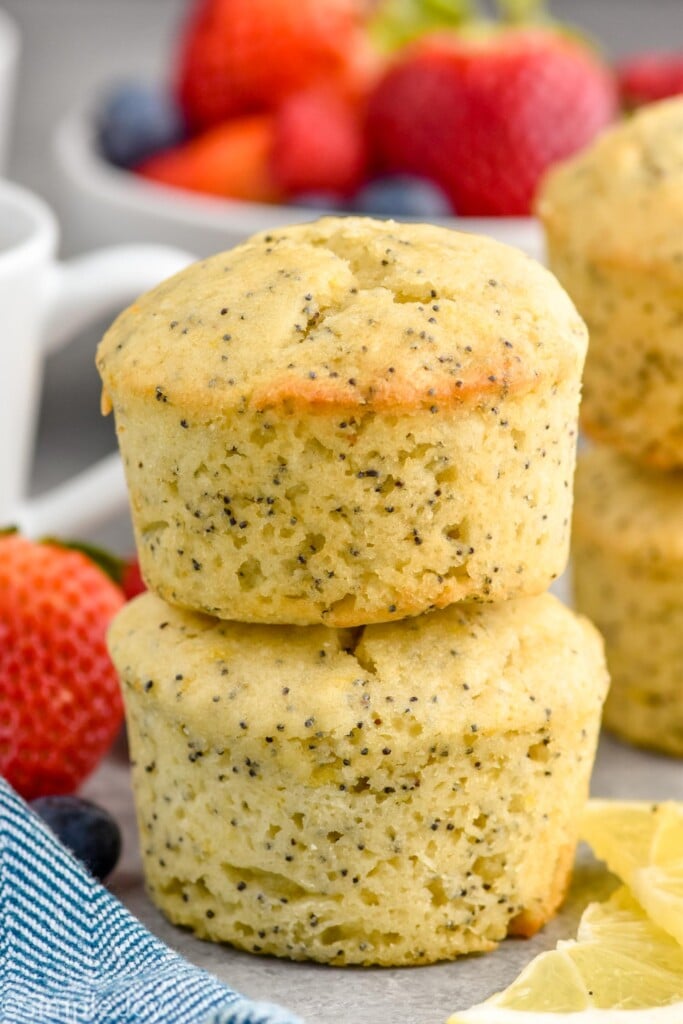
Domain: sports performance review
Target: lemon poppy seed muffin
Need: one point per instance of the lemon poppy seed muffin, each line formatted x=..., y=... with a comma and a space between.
x=613, y=217
x=395, y=794
x=628, y=577
x=347, y=422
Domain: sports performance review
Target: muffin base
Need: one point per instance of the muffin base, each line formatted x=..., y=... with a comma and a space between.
x=397, y=795
x=634, y=367
x=639, y=610
x=486, y=866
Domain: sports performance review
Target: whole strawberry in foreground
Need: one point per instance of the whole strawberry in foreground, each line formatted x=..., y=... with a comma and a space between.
x=485, y=115
x=60, y=706
x=239, y=58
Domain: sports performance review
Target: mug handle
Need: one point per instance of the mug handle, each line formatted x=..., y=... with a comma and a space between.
x=77, y=292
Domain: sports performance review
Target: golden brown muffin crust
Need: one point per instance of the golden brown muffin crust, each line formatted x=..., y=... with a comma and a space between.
x=354, y=313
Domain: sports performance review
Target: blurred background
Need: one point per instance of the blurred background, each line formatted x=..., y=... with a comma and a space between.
x=70, y=48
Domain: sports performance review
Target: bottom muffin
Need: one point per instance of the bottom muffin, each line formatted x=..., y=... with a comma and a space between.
x=393, y=794
x=628, y=577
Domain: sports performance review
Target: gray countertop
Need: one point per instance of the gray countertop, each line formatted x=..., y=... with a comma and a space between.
x=71, y=47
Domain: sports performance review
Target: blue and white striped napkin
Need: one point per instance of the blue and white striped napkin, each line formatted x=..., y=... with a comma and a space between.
x=71, y=954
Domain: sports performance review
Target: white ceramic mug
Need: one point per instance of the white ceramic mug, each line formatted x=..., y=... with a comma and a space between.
x=9, y=59
x=43, y=303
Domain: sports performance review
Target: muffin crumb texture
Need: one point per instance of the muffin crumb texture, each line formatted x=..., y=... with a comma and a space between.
x=628, y=578
x=613, y=218
x=395, y=794
x=308, y=420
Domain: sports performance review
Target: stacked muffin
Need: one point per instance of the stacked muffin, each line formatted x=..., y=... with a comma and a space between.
x=361, y=732
x=614, y=223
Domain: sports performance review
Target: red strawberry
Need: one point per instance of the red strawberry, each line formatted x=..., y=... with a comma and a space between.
x=132, y=582
x=239, y=57
x=60, y=706
x=232, y=159
x=318, y=145
x=647, y=77
x=484, y=116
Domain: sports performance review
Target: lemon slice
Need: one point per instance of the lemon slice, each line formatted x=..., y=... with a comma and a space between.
x=642, y=843
x=622, y=969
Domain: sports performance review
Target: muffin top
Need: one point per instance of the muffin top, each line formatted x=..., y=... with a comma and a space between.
x=622, y=198
x=633, y=511
x=346, y=312
x=466, y=671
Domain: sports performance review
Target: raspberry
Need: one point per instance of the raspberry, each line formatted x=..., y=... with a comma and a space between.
x=648, y=77
x=318, y=145
x=132, y=582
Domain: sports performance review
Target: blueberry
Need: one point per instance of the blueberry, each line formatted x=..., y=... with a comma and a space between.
x=136, y=120
x=87, y=830
x=402, y=195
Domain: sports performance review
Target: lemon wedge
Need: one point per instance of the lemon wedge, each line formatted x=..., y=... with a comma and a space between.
x=621, y=969
x=642, y=843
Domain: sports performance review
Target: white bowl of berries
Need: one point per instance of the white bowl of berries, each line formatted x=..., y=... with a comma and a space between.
x=106, y=204
x=278, y=114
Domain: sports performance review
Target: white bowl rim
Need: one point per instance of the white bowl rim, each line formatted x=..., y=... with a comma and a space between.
x=79, y=159
x=74, y=145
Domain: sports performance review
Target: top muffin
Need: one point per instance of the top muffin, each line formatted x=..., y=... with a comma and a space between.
x=319, y=424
